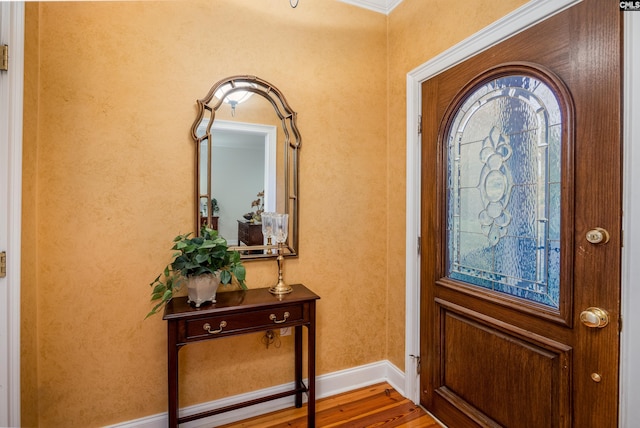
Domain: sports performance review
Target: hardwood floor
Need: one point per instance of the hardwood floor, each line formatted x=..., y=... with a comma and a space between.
x=374, y=406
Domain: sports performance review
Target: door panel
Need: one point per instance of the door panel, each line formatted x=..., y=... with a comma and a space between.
x=506, y=265
x=520, y=365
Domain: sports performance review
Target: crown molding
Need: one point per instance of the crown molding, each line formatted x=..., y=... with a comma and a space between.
x=380, y=6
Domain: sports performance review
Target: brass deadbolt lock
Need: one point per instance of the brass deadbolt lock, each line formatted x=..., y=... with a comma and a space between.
x=598, y=236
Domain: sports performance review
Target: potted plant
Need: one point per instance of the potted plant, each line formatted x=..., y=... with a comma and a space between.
x=214, y=206
x=203, y=262
x=259, y=204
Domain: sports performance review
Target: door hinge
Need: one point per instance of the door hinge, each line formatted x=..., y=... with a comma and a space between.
x=419, y=245
x=3, y=264
x=4, y=58
x=417, y=360
x=419, y=124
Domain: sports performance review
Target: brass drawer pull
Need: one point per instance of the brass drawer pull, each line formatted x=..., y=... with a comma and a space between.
x=207, y=327
x=273, y=318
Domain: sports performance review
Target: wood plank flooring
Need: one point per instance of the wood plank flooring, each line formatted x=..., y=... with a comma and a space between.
x=374, y=406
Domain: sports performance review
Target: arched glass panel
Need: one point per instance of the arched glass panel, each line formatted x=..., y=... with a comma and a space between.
x=503, y=189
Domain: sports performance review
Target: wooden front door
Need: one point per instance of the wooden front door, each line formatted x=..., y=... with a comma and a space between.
x=521, y=228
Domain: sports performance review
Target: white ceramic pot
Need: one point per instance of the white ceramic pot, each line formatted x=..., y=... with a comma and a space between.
x=202, y=288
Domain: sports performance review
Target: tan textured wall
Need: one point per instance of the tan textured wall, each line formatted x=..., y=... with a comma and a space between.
x=418, y=30
x=108, y=183
x=117, y=90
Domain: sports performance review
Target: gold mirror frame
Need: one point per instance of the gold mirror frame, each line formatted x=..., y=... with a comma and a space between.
x=209, y=105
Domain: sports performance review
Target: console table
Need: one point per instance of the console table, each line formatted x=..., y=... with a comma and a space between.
x=250, y=233
x=241, y=312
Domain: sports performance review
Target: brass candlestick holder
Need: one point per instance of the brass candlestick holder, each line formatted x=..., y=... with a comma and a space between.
x=267, y=229
x=280, y=229
x=281, y=287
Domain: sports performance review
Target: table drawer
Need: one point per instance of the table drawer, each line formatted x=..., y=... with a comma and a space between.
x=221, y=325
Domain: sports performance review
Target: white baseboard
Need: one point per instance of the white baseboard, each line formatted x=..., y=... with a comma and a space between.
x=326, y=386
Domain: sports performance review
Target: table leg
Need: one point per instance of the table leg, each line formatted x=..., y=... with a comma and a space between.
x=172, y=369
x=311, y=361
x=298, y=363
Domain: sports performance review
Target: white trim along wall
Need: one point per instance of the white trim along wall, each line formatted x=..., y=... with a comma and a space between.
x=326, y=386
x=522, y=18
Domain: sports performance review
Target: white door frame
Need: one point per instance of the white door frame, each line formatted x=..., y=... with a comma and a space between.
x=11, y=111
x=269, y=133
x=522, y=18
x=630, y=342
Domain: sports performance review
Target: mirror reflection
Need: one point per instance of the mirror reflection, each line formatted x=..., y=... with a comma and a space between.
x=246, y=152
x=247, y=163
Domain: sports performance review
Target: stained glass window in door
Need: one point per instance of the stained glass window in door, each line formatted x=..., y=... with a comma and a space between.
x=503, y=189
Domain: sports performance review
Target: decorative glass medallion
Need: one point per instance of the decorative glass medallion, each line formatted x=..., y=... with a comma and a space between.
x=503, y=189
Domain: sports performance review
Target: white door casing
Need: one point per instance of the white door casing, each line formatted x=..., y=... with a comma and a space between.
x=11, y=100
x=4, y=191
x=630, y=340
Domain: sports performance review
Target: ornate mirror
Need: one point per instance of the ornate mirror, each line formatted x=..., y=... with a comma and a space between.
x=247, y=149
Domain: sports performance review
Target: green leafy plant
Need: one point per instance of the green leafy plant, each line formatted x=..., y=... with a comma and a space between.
x=204, y=254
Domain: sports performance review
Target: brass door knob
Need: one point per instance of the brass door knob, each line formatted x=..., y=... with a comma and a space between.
x=594, y=317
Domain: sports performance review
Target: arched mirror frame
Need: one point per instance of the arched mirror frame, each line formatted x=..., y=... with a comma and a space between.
x=210, y=104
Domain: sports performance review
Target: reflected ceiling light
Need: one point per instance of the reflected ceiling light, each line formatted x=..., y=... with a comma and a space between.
x=234, y=97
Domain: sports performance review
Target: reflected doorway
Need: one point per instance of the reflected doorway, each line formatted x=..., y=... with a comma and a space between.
x=243, y=165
